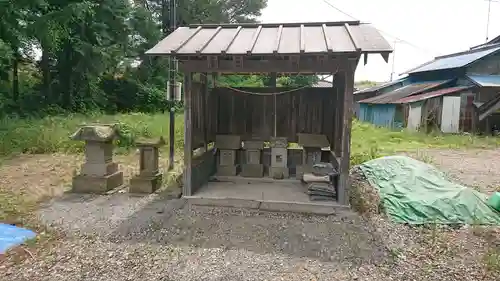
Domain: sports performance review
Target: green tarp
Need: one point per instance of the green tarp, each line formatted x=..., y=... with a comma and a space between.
x=416, y=193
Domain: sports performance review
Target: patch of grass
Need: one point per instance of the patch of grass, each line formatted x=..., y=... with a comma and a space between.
x=51, y=134
x=491, y=260
x=369, y=142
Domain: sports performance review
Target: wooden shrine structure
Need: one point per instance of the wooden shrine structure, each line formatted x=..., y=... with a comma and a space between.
x=326, y=48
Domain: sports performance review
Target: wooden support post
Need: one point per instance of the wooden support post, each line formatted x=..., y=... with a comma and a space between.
x=347, y=77
x=272, y=84
x=204, y=111
x=339, y=82
x=188, y=131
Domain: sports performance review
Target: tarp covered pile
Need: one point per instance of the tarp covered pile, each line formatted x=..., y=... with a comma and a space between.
x=416, y=193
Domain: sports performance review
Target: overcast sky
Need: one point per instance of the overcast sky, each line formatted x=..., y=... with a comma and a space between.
x=429, y=27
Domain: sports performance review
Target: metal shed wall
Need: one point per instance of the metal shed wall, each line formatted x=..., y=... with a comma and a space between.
x=382, y=115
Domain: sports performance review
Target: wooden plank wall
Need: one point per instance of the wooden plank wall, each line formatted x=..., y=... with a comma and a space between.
x=309, y=110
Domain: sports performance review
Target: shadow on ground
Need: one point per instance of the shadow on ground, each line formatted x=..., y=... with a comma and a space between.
x=340, y=238
x=159, y=219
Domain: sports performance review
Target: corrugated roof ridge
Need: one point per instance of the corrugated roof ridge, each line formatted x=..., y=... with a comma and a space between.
x=471, y=51
x=444, y=91
x=433, y=84
x=484, y=48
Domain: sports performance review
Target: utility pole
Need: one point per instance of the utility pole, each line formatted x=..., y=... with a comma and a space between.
x=172, y=81
x=393, y=59
x=488, y=21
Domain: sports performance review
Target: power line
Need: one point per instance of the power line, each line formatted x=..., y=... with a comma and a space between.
x=386, y=33
x=339, y=10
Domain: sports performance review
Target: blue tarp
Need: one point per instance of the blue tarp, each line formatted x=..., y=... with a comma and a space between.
x=11, y=236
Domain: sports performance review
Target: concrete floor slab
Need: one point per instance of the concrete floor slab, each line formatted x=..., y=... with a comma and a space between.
x=264, y=194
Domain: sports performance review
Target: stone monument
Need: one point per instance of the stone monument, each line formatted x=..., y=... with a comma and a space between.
x=228, y=146
x=253, y=168
x=149, y=178
x=279, y=158
x=99, y=173
x=312, y=146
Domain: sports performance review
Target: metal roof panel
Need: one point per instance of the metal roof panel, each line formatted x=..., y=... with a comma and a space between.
x=454, y=60
x=290, y=38
x=403, y=92
x=368, y=38
x=486, y=80
x=433, y=94
x=262, y=39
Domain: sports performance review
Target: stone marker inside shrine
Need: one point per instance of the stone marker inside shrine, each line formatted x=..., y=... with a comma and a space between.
x=311, y=152
x=149, y=178
x=279, y=158
x=253, y=168
x=228, y=146
x=99, y=173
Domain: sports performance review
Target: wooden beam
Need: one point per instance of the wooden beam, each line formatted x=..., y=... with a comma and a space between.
x=254, y=39
x=327, y=39
x=278, y=40
x=188, y=136
x=302, y=40
x=187, y=40
x=224, y=51
x=347, y=77
x=307, y=64
x=209, y=40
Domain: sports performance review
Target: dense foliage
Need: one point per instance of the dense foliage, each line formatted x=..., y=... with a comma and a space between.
x=86, y=55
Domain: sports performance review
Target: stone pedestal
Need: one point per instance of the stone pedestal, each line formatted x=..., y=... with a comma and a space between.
x=253, y=168
x=311, y=152
x=279, y=158
x=149, y=178
x=99, y=173
x=228, y=146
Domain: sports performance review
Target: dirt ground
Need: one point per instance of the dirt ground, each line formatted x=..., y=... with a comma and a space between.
x=475, y=168
x=42, y=176
x=260, y=247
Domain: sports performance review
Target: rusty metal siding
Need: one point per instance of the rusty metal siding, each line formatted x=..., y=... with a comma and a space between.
x=262, y=39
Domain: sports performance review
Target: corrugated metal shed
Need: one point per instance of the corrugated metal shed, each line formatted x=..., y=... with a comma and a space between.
x=433, y=94
x=403, y=92
x=456, y=60
x=262, y=39
x=381, y=86
x=486, y=80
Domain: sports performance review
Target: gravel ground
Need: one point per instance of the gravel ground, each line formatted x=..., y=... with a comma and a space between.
x=122, y=237
x=179, y=242
x=90, y=259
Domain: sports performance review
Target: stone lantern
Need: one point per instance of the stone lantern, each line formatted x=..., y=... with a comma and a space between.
x=99, y=173
x=149, y=178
